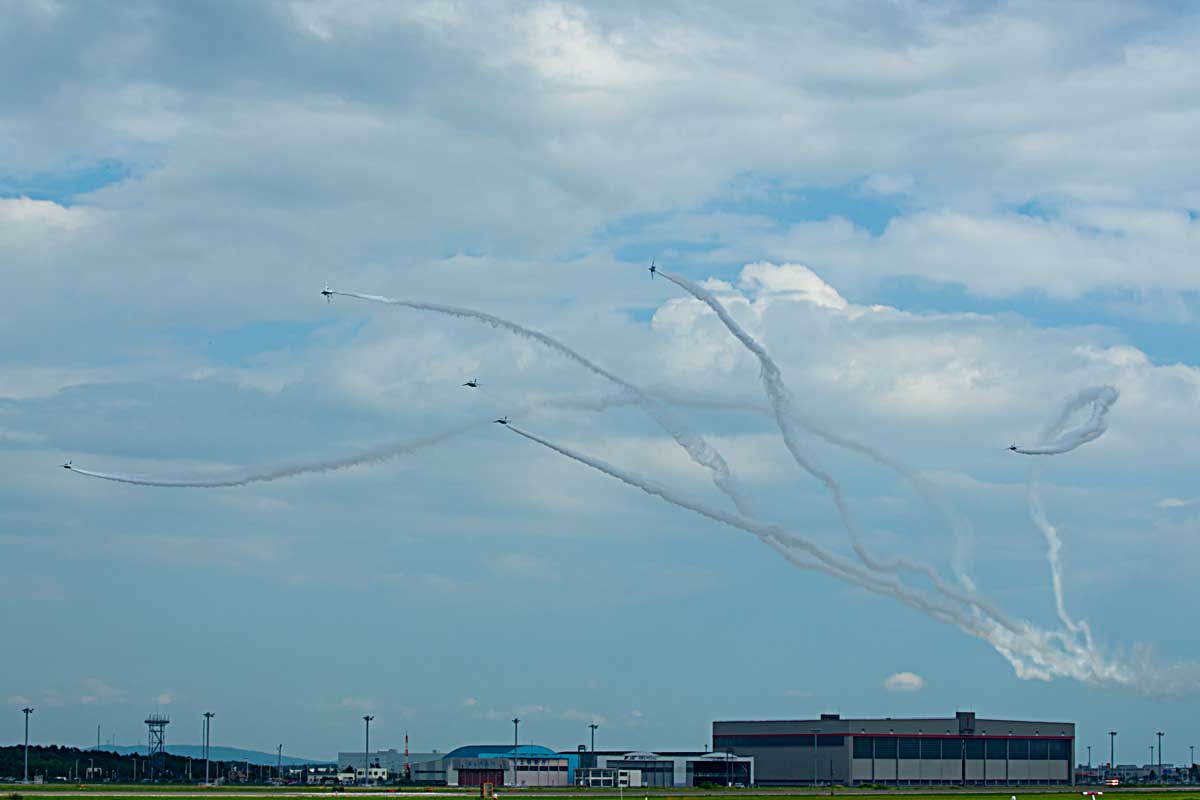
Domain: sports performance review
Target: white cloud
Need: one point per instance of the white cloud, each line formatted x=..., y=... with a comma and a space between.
x=18, y=700
x=470, y=702
x=904, y=682
x=97, y=692
x=1175, y=502
x=357, y=704
x=165, y=699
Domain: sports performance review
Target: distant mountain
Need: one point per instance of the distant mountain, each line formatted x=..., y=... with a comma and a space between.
x=236, y=754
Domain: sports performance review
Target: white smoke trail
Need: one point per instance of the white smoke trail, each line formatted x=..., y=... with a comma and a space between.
x=784, y=407
x=1053, y=441
x=1034, y=653
x=273, y=473
x=700, y=451
x=375, y=455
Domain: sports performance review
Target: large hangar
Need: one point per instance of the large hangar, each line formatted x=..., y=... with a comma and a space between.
x=958, y=750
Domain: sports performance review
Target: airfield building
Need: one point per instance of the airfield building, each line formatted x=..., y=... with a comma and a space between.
x=960, y=750
x=672, y=769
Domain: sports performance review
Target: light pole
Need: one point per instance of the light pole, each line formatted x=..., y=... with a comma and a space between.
x=1159, y=735
x=27, y=711
x=208, y=715
x=814, y=733
x=593, y=726
x=516, y=721
x=1089, y=756
x=1112, y=750
x=367, y=755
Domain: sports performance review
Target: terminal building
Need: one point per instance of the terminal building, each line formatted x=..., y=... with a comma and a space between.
x=962, y=750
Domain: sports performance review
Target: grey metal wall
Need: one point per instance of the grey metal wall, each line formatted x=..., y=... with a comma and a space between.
x=955, y=750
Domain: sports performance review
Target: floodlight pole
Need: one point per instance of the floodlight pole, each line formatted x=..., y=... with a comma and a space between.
x=1112, y=750
x=208, y=715
x=367, y=755
x=593, y=726
x=27, y=711
x=1160, y=735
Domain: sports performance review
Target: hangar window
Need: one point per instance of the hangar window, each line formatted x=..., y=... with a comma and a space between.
x=1039, y=749
x=931, y=748
x=973, y=748
x=829, y=740
x=862, y=746
x=1060, y=749
x=885, y=747
x=952, y=748
x=997, y=749
x=1018, y=749
x=910, y=747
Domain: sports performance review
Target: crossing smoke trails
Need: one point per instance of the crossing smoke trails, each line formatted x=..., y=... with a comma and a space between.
x=786, y=416
x=1053, y=441
x=695, y=445
x=1032, y=651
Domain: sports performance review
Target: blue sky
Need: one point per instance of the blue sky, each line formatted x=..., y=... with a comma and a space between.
x=940, y=221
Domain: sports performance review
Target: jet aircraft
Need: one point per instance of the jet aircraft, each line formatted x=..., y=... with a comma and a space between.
x=473, y=383
x=328, y=293
x=67, y=465
x=653, y=269
x=502, y=421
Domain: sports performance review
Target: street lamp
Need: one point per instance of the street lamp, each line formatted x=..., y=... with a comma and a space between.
x=208, y=715
x=1089, y=756
x=593, y=726
x=367, y=755
x=1112, y=750
x=27, y=711
x=1159, y=735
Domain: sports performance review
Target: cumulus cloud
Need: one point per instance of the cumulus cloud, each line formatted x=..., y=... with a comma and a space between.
x=168, y=321
x=904, y=682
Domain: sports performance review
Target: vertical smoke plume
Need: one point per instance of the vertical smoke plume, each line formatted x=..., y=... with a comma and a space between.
x=1053, y=441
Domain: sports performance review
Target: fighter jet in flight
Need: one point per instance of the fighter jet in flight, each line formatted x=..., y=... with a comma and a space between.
x=67, y=465
x=328, y=293
x=502, y=421
x=473, y=383
x=653, y=269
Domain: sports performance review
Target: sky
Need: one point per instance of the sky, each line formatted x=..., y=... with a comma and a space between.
x=940, y=220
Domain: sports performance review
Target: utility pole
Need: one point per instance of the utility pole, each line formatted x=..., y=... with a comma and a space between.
x=593, y=726
x=1112, y=750
x=367, y=755
x=27, y=711
x=208, y=715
